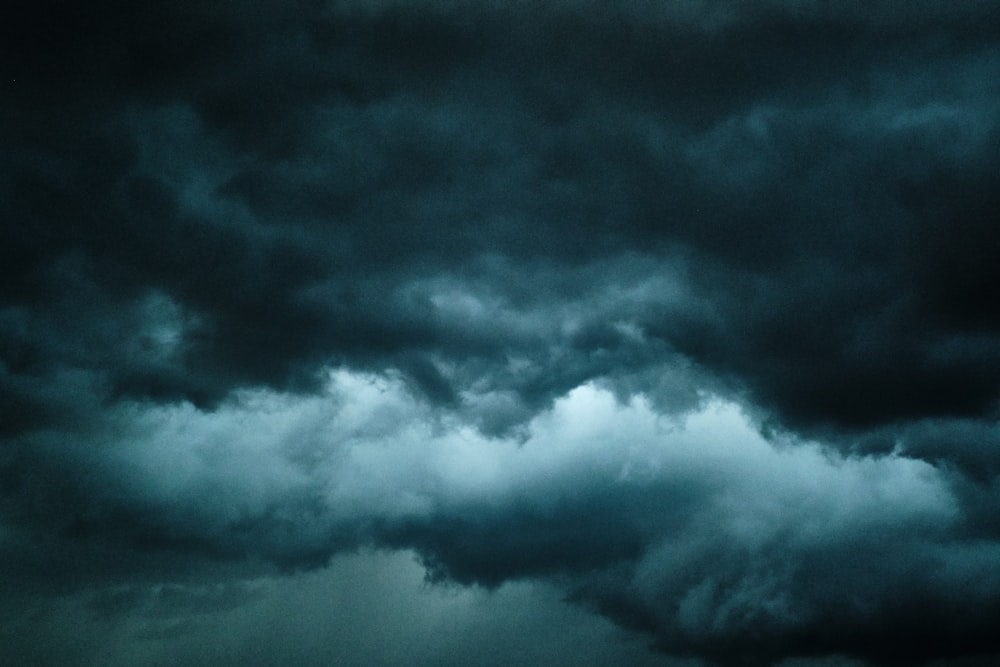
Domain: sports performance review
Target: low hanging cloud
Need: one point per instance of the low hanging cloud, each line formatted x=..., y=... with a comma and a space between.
x=684, y=310
x=697, y=530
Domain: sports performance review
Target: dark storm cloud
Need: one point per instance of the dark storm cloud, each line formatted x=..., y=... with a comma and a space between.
x=282, y=176
x=786, y=204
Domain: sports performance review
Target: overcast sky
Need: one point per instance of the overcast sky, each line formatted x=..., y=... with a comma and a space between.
x=373, y=332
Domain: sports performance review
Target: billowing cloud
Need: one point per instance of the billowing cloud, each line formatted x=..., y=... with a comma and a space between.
x=697, y=529
x=684, y=310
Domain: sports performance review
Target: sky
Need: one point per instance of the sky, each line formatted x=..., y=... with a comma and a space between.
x=372, y=332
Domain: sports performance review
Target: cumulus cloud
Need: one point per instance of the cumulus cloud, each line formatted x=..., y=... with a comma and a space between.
x=696, y=529
x=685, y=309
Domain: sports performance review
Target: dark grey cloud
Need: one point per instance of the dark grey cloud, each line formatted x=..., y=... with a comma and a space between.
x=285, y=217
x=209, y=212
x=312, y=618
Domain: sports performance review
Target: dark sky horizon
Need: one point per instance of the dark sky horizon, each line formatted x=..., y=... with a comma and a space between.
x=372, y=332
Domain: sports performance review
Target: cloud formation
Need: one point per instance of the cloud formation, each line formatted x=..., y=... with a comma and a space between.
x=683, y=309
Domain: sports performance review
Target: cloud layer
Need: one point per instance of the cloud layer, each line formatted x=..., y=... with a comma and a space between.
x=684, y=310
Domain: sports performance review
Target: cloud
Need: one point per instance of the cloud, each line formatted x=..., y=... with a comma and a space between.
x=361, y=609
x=286, y=219
x=685, y=308
x=696, y=529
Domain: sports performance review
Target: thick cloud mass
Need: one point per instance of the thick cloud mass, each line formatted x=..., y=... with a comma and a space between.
x=684, y=310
